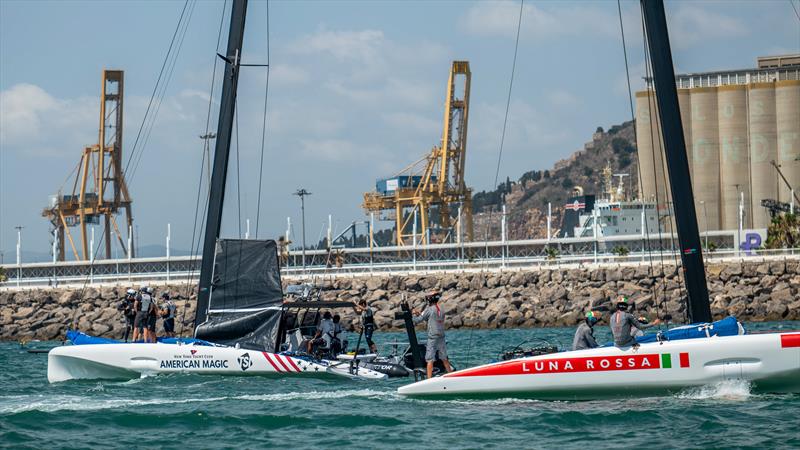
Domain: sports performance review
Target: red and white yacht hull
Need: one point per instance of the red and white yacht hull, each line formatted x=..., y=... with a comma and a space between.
x=771, y=362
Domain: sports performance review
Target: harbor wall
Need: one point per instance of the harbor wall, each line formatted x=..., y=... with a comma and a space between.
x=752, y=291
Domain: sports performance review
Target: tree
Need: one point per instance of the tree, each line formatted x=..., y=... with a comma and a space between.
x=783, y=232
x=546, y=174
x=599, y=130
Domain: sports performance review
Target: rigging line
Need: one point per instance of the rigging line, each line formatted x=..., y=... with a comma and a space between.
x=155, y=88
x=650, y=109
x=263, y=132
x=508, y=100
x=163, y=90
x=645, y=225
x=238, y=173
x=796, y=13
x=195, y=242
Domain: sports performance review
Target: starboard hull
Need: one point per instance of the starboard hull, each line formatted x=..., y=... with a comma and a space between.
x=770, y=362
x=126, y=361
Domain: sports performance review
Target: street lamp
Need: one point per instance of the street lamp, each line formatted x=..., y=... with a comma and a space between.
x=302, y=193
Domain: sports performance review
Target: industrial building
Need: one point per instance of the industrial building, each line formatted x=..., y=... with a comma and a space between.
x=742, y=131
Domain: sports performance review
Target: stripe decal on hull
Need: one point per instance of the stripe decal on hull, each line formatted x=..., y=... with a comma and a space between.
x=790, y=340
x=574, y=365
x=271, y=362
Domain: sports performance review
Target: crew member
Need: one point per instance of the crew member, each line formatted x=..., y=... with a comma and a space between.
x=152, y=318
x=367, y=323
x=127, y=306
x=324, y=333
x=337, y=345
x=436, y=345
x=143, y=304
x=584, y=335
x=168, y=314
x=622, y=322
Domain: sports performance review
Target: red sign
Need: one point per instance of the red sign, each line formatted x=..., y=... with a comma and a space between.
x=566, y=365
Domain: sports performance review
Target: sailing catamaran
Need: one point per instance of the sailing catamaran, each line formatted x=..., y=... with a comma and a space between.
x=241, y=315
x=769, y=361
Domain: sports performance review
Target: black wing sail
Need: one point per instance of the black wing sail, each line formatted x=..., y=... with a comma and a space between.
x=245, y=302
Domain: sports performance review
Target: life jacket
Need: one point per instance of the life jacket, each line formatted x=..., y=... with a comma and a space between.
x=145, y=302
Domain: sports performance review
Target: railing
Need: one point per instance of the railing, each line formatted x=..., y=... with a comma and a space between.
x=473, y=256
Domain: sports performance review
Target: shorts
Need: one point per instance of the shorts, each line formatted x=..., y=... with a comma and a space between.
x=151, y=323
x=434, y=346
x=169, y=325
x=368, y=330
x=140, y=321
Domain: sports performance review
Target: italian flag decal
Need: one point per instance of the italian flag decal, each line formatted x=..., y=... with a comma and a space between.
x=666, y=360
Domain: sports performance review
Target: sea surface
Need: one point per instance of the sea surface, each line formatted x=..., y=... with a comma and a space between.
x=192, y=411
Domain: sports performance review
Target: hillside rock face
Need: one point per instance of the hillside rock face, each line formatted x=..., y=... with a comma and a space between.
x=751, y=291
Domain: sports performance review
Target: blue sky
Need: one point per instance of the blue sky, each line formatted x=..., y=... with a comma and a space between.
x=356, y=93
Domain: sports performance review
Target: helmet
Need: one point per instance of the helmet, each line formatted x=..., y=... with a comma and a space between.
x=143, y=288
x=130, y=292
x=592, y=317
x=433, y=297
x=622, y=302
x=150, y=291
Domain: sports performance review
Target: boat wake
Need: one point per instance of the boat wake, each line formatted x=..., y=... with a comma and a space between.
x=735, y=390
x=23, y=403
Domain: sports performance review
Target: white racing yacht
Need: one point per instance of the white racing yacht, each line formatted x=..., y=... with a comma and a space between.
x=241, y=318
x=694, y=355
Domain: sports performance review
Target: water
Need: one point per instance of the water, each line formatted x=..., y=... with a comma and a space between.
x=191, y=411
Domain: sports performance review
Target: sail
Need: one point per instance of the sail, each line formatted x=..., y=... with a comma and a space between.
x=246, y=295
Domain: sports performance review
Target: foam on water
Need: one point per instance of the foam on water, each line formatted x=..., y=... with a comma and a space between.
x=24, y=403
x=724, y=390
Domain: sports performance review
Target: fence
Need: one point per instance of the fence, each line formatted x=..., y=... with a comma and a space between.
x=493, y=255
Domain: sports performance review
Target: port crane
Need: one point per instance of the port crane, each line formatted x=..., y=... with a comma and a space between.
x=433, y=187
x=99, y=191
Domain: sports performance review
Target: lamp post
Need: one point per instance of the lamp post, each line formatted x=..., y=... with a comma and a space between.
x=302, y=193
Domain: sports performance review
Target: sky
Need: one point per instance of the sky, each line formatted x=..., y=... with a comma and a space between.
x=356, y=92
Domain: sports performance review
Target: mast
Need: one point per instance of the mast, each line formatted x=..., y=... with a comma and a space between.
x=221, y=152
x=694, y=274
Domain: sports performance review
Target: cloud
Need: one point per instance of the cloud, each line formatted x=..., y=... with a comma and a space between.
x=285, y=74
x=36, y=123
x=361, y=45
x=691, y=24
x=332, y=150
x=562, y=99
x=500, y=19
x=412, y=123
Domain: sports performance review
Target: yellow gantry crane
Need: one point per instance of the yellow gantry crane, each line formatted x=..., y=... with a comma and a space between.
x=437, y=189
x=99, y=191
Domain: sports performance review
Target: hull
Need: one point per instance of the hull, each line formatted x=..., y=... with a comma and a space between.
x=770, y=362
x=126, y=361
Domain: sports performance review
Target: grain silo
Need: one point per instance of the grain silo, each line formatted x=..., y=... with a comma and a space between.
x=705, y=156
x=787, y=120
x=734, y=168
x=763, y=149
x=736, y=123
x=649, y=146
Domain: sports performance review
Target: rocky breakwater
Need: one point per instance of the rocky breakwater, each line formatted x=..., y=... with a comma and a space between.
x=46, y=314
x=752, y=291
